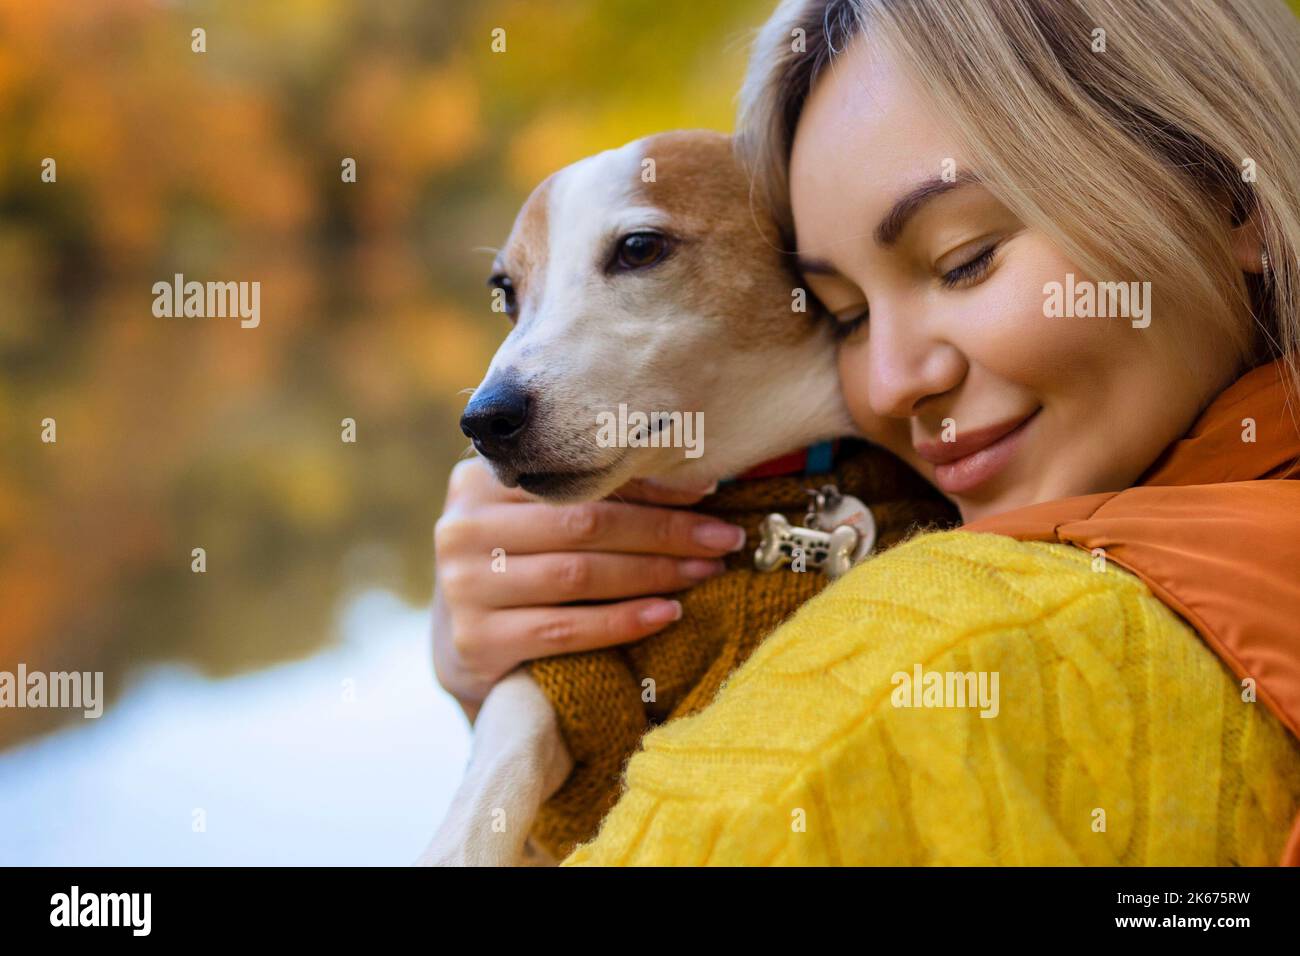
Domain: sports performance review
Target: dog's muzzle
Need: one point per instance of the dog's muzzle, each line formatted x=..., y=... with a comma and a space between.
x=496, y=419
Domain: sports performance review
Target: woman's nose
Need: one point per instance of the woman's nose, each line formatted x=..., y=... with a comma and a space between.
x=908, y=362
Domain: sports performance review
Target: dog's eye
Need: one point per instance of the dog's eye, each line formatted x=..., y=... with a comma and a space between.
x=640, y=250
x=503, y=290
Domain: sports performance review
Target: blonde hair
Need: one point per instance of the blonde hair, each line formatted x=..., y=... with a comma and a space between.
x=1125, y=158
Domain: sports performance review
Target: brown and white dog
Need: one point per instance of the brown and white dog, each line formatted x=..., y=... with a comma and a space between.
x=641, y=276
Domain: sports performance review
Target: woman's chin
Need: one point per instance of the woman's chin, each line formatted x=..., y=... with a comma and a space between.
x=1009, y=500
x=1051, y=487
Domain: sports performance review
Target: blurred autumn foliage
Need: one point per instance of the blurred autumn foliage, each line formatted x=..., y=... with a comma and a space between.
x=225, y=165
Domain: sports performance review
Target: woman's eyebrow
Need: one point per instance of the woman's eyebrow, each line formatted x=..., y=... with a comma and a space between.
x=896, y=220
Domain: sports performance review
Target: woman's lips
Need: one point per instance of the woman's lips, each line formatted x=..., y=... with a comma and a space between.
x=975, y=457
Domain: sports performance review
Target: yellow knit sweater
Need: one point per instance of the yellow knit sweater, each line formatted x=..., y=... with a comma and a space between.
x=1119, y=738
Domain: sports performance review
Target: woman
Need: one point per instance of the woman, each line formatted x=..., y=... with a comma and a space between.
x=1059, y=240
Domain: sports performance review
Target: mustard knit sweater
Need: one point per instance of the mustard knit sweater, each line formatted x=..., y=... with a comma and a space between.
x=1119, y=738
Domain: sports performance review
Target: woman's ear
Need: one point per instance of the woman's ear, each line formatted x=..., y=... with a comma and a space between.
x=1248, y=244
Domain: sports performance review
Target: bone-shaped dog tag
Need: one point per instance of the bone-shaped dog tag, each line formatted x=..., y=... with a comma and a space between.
x=829, y=551
x=843, y=532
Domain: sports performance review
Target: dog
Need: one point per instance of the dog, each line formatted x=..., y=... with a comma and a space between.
x=643, y=278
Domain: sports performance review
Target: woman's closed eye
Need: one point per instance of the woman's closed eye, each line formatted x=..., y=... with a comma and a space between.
x=844, y=322
x=968, y=273
x=972, y=270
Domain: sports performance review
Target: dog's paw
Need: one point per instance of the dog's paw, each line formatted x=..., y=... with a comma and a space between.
x=436, y=856
x=491, y=849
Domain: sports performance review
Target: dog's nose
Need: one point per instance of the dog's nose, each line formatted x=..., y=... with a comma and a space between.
x=495, y=418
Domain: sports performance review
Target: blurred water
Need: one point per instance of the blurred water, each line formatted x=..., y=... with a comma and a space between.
x=286, y=769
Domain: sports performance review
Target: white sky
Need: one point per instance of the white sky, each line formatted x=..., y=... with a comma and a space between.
x=287, y=771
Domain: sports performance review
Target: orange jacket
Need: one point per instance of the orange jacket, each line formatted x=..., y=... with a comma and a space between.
x=1213, y=529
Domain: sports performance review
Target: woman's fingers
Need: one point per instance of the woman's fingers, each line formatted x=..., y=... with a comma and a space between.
x=526, y=633
x=527, y=528
x=507, y=567
x=472, y=480
x=564, y=576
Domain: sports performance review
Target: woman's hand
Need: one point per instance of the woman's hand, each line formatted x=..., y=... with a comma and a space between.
x=493, y=609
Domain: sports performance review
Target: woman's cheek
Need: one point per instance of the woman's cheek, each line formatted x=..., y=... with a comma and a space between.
x=1010, y=336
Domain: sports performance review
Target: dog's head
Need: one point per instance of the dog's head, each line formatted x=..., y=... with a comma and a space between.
x=640, y=282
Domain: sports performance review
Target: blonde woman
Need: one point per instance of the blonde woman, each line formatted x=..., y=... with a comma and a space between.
x=1058, y=239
